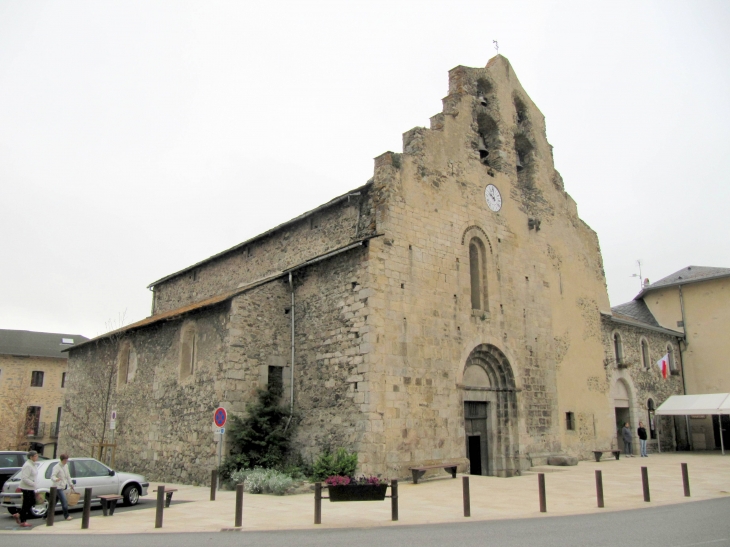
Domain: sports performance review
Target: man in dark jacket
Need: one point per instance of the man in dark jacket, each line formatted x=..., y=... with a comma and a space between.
x=642, y=439
x=626, y=434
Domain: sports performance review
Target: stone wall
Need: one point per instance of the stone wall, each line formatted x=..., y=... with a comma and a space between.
x=542, y=280
x=164, y=424
x=643, y=383
x=323, y=231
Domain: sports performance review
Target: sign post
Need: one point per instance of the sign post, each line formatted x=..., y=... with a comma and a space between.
x=219, y=420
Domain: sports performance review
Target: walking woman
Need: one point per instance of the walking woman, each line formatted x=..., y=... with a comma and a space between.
x=62, y=480
x=28, y=477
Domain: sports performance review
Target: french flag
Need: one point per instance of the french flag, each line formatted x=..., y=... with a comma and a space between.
x=663, y=365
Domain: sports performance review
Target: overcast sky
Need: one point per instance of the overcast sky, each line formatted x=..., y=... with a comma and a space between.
x=137, y=138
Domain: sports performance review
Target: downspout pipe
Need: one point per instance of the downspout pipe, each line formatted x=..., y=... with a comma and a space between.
x=681, y=364
x=291, y=369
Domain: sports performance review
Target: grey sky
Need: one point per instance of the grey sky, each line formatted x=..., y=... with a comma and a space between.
x=137, y=138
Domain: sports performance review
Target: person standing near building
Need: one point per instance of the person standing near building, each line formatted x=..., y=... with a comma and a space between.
x=642, y=439
x=626, y=434
x=62, y=481
x=28, y=477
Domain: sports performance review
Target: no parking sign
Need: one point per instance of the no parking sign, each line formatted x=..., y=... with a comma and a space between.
x=219, y=419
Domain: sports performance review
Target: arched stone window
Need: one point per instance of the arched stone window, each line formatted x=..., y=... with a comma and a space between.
x=618, y=348
x=672, y=362
x=478, y=274
x=126, y=363
x=188, y=350
x=645, y=362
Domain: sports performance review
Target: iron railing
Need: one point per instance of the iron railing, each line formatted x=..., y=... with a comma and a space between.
x=36, y=431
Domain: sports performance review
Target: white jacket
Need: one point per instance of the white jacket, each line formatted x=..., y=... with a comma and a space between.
x=60, y=477
x=28, y=475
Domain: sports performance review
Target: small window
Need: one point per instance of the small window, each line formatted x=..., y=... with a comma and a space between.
x=672, y=363
x=570, y=421
x=618, y=349
x=67, y=341
x=126, y=364
x=276, y=379
x=89, y=468
x=188, y=351
x=49, y=469
x=33, y=421
x=477, y=274
x=9, y=460
x=63, y=380
x=645, y=354
x=36, y=378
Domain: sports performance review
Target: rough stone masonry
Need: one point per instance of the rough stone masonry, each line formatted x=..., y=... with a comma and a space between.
x=449, y=310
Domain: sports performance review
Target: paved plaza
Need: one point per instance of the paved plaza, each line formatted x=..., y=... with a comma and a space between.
x=570, y=491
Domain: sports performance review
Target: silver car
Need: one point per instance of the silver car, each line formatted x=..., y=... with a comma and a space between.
x=85, y=473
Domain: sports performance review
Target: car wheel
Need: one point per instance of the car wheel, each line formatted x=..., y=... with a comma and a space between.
x=131, y=494
x=39, y=511
x=13, y=510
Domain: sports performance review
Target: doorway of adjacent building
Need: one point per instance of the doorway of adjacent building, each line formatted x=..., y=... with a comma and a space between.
x=725, y=431
x=623, y=415
x=475, y=419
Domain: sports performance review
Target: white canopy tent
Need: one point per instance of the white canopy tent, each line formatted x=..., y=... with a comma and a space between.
x=707, y=403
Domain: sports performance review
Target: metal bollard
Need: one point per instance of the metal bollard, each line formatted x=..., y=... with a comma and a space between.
x=394, y=499
x=645, y=483
x=213, y=483
x=239, y=505
x=465, y=491
x=51, y=512
x=317, y=503
x=160, y=505
x=599, y=487
x=541, y=489
x=87, y=509
x=685, y=479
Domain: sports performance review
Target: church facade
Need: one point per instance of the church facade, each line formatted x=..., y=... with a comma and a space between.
x=452, y=309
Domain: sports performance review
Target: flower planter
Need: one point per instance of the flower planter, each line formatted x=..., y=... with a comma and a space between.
x=358, y=492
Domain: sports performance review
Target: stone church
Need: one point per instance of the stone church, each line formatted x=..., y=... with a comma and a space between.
x=452, y=309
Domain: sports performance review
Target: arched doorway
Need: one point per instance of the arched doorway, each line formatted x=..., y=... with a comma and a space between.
x=622, y=409
x=490, y=413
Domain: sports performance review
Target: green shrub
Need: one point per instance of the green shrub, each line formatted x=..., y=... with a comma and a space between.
x=262, y=481
x=340, y=463
x=259, y=439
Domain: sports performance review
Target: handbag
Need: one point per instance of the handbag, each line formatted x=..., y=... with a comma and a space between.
x=40, y=499
x=72, y=498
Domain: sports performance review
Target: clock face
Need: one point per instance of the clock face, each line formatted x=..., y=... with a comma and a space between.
x=494, y=198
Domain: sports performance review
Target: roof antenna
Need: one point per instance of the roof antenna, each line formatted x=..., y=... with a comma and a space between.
x=641, y=278
x=496, y=45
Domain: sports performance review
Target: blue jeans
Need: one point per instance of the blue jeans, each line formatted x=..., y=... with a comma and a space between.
x=642, y=445
x=64, y=503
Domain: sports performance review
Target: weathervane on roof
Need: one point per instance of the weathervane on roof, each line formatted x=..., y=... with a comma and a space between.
x=496, y=45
